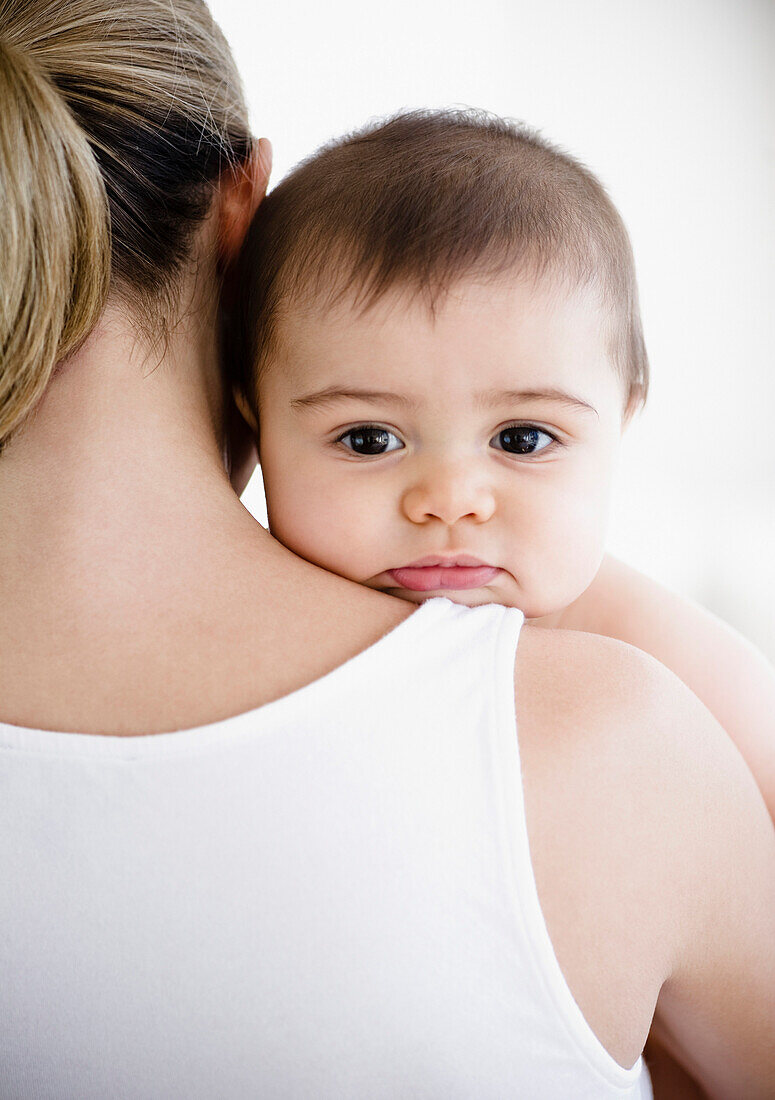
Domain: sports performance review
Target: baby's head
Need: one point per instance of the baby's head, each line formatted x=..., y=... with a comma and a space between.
x=439, y=338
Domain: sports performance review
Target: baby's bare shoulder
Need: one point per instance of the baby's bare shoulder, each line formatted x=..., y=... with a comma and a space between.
x=626, y=604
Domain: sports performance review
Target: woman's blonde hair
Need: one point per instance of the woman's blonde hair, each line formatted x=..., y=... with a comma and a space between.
x=117, y=118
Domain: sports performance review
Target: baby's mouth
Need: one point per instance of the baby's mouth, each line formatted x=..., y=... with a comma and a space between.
x=436, y=574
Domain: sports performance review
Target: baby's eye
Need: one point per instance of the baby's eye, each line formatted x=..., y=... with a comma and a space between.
x=522, y=439
x=370, y=439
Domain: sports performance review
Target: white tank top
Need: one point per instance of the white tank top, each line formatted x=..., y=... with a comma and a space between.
x=327, y=898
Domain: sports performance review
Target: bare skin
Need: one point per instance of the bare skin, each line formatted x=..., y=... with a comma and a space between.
x=728, y=674
x=673, y=799
x=731, y=677
x=139, y=596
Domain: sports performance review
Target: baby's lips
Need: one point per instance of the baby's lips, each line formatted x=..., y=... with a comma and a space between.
x=431, y=578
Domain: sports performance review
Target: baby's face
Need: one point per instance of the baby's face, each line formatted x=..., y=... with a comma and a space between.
x=467, y=454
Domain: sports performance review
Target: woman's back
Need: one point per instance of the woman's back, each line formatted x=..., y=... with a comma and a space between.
x=605, y=803
x=338, y=904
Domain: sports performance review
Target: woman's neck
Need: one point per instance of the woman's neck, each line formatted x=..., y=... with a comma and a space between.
x=125, y=446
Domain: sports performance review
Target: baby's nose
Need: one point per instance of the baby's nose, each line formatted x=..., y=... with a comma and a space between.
x=448, y=497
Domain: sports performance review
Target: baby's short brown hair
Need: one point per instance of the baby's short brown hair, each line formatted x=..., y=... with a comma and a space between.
x=420, y=201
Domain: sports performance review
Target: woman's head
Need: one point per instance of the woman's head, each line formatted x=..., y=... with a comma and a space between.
x=119, y=117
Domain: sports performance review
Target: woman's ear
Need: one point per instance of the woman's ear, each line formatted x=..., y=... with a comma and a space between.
x=241, y=190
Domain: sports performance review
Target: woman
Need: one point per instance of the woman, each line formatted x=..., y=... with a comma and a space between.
x=331, y=894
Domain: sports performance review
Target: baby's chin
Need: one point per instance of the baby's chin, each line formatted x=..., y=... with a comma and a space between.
x=546, y=607
x=469, y=597
x=545, y=613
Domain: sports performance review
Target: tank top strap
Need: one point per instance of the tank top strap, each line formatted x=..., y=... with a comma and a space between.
x=633, y=1081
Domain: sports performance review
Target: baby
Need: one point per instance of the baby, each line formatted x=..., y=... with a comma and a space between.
x=439, y=344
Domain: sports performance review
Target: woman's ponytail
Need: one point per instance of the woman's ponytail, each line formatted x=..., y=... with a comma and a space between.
x=54, y=234
x=117, y=120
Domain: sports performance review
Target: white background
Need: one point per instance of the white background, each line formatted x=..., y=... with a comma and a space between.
x=672, y=104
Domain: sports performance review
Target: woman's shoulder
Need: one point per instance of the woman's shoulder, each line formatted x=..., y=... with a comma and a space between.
x=620, y=764
x=595, y=722
x=726, y=671
x=593, y=690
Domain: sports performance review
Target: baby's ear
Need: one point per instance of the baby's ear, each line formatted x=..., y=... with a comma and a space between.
x=241, y=447
x=243, y=405
x=634, y=404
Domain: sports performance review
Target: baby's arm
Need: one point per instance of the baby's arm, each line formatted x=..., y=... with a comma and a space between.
x=731, y=677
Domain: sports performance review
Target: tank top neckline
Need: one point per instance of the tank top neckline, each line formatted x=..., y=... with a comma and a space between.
x=168, y=742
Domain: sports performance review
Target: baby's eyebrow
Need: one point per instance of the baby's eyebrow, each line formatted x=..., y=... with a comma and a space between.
x=335, y=393
x=487, y=399
x=491, y=398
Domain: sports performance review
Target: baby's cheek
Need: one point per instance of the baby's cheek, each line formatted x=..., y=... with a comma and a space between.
x=327, y=526
x=559, y=550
